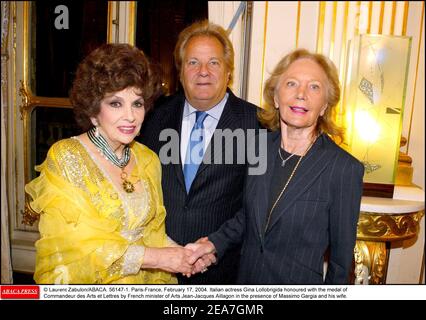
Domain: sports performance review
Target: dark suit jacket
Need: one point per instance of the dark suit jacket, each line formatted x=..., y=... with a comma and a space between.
x=216, y=192
x=318, y=212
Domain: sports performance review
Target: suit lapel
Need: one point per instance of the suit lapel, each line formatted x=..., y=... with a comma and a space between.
x=228, y=120
x=261, y=202
x=314, y=163
x=176, y=124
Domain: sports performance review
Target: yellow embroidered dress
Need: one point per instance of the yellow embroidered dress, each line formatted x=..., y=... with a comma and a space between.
x=91, y=232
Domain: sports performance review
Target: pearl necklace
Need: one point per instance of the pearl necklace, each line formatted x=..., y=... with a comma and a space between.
x=104, y=148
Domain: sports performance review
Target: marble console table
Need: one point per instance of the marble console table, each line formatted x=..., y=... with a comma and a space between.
x=381, y=222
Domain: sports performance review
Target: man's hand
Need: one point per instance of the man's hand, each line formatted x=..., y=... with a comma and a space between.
x=202, y=255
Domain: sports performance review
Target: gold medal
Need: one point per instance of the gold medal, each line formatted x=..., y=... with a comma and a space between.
x=127, y=185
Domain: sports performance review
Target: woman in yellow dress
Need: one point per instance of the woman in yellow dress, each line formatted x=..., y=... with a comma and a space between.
x=99, y=197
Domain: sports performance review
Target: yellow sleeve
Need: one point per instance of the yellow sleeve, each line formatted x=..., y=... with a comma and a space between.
x=78, y=244
x=155, y=234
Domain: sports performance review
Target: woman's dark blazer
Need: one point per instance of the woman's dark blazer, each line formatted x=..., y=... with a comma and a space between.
x=318, y=212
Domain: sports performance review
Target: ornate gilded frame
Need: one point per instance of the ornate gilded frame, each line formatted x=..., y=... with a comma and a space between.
x=28, y=103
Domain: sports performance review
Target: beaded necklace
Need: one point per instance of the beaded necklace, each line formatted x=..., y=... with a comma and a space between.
x=104, y=148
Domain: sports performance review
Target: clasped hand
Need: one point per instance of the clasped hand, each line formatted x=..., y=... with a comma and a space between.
x=203, y=255
x=191, y=259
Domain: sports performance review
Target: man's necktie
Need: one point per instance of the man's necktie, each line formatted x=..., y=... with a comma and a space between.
x=195, y=149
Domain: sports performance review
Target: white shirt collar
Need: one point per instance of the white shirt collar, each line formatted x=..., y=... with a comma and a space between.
x=214, y=112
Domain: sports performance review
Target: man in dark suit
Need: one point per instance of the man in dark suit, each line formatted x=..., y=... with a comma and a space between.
x=200, y=195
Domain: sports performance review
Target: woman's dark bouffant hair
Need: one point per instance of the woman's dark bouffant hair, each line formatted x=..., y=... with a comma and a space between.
x=111, y=68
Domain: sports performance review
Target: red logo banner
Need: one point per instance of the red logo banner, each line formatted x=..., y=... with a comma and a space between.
x=20, y=292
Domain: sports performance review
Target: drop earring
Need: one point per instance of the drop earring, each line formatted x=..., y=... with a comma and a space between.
x=97, y=134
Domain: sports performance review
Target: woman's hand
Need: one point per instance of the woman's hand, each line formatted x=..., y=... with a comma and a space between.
x=170, y=259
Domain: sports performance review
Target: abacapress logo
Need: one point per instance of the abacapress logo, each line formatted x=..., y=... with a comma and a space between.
x=20, y=292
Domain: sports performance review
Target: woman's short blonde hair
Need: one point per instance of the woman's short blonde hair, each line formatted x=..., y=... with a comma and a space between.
x=206, y=29
x=269, y=115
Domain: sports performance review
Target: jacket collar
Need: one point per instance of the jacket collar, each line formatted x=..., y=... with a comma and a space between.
x=311, y=166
